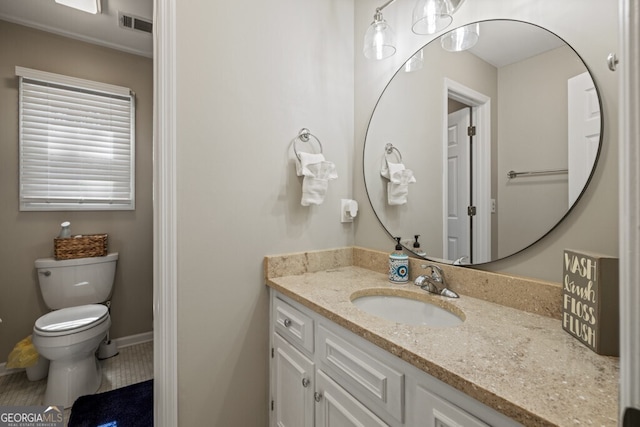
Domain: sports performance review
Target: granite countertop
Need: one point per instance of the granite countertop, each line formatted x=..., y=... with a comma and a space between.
x=521, y=364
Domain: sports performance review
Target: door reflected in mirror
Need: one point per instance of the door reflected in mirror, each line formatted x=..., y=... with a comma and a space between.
x=502, y=140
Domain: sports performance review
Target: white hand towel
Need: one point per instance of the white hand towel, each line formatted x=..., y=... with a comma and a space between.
x=399, y=179
x=397, y=193
x=305, y=160
x=389, y=170
x=316, y=182
x=398, y=187
x=403, y=176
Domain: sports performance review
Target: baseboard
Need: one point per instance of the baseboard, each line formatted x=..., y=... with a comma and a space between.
x=134, y=339
x=121, y=343
x=5, y=371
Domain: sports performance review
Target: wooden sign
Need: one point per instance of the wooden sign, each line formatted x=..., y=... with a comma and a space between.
x=590, y=308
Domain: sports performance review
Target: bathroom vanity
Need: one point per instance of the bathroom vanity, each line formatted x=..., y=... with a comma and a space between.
x=332, y=363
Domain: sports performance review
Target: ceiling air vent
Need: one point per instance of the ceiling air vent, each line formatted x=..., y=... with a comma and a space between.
x=133, y=22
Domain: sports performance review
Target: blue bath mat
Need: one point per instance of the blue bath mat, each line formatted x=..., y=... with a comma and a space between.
x=130, y=406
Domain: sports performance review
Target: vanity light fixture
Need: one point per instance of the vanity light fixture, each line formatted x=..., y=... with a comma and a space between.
x=462, y=38
x=90, y=6
x=415, y=62
x=379, y=40
x=431, y=16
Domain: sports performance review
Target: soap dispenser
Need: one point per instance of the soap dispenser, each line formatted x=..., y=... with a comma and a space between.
x=416, y=247
x=398, y=264
x=65, y=230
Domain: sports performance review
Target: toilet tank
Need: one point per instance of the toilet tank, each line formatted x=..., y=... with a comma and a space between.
x=73, y=282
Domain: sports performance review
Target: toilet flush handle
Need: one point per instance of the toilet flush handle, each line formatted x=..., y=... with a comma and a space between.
x=47, y=273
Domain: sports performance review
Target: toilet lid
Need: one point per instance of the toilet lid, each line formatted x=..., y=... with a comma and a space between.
x=72, y=319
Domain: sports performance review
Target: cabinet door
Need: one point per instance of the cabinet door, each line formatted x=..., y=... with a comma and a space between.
x=433, y=411
x=337, y=408
x=292, y=387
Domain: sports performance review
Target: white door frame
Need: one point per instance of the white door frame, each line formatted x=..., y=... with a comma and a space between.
x=458, y=226
x=629, y=214
x=165, y=268
x=481, y=159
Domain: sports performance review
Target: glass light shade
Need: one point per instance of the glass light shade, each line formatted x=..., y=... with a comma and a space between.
x=415, y=62
x=431, y=16
x=460, y=39
x=379, y=40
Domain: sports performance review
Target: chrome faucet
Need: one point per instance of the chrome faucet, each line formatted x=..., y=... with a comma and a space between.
x=434, y=282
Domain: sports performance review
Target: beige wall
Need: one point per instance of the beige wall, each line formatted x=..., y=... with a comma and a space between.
x=533, y=97
x=29, y=235
x=591, y=30
x=249, y=77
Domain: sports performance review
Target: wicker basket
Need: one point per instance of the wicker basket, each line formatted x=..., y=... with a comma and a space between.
x=88, y=245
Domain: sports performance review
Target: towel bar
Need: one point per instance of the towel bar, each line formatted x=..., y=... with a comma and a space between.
x=389, y=149
x=303, y=136
x=514, y=174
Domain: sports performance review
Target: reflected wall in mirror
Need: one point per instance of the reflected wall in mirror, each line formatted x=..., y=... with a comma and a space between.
x=520, y=100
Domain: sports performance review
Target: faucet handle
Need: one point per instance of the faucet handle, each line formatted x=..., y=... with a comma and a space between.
x=436, y=272
x=460, y=261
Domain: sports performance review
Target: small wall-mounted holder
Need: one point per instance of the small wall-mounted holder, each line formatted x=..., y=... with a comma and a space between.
x=612, y=61
x=348, y=210
x=389, y=149
x=304, y=136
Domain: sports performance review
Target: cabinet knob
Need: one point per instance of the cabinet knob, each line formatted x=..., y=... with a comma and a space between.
x=317, y=396
x=306, y=382
x=287, y=322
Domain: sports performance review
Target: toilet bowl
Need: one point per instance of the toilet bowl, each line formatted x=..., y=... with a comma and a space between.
x=69, y=338
x=70, y=335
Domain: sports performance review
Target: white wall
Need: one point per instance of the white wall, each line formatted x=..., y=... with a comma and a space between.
x=250, y=75
x=591, y=29
x=410, y=116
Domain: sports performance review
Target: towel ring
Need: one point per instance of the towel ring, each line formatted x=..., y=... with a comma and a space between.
x=389, y=149
x=303, y=136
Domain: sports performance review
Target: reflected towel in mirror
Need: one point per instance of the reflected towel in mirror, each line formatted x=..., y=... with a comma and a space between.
x=399, y=179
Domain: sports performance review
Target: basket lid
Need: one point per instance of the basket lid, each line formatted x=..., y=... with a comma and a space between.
x=53, y=263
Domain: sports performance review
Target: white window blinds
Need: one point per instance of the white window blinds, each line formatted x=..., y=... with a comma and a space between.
x=77, y=144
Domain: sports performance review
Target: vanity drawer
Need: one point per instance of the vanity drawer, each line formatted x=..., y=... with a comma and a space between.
x=292, y=324
x=363, y=373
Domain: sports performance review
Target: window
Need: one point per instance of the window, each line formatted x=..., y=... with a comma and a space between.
x=77, y=144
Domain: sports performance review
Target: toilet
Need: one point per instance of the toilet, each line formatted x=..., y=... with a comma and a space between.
x=70, y=335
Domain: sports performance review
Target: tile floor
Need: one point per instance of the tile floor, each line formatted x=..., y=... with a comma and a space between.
x=131, y=365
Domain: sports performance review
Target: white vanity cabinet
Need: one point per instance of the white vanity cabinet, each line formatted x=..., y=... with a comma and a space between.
x=337, y=408
x=434, y=411
x=292, y=389
x=326, y=376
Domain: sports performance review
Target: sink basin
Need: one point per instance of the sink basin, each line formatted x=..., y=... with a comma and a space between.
x=407, y=310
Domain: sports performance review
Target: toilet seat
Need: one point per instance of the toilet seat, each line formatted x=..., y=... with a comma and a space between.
x=71, y=320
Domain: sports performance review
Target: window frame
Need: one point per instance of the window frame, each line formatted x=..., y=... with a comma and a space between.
x=77, y=85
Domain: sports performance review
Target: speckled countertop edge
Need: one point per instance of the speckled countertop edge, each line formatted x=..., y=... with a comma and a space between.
x=519, y=363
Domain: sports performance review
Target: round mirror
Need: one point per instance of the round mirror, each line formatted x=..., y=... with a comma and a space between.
x=483, y=151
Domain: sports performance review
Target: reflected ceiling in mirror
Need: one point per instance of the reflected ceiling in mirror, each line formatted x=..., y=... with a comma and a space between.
x=519, y=101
